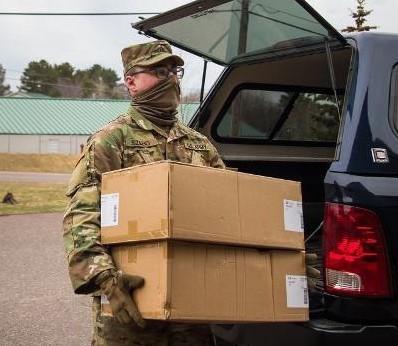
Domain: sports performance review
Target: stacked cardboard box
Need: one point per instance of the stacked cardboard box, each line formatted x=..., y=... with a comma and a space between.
x=213, y=245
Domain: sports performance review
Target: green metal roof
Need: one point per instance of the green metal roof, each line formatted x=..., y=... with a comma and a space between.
x=26, y=94
x=65, y=116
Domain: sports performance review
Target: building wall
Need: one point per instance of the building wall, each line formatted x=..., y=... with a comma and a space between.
x=3, y=144
x=41, y=144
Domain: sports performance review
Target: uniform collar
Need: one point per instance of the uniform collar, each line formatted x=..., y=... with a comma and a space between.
x=176, y=131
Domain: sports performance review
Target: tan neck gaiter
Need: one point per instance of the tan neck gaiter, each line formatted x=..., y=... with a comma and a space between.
x=159, y=104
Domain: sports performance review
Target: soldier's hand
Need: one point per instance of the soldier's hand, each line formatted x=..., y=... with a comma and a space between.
x=118, y=288
x=313, y=274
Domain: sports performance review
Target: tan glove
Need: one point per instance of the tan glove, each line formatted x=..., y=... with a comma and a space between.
x=313, y=274
x=118, y=288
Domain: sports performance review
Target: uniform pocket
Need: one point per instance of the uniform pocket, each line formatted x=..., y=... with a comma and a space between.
x=138, y=152
x=197, y=152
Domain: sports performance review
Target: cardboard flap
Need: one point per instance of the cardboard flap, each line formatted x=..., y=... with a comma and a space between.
x=143, y=204
x=204, y=204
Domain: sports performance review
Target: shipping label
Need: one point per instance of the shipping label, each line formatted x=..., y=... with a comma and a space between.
x=104, y=299
x=109, y=210
x=293, y=215
x=296, y=291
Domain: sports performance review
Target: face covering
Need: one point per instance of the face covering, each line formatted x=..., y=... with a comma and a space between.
x=159, y=104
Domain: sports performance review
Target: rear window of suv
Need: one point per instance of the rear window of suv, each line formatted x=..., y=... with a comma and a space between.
x=394, y=97
x=279, y=115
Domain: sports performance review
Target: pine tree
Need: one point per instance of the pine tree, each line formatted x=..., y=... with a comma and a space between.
x=40, y=77
x=360, y=19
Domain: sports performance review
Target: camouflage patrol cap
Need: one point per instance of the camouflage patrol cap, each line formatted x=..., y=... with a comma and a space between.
x=148, y=54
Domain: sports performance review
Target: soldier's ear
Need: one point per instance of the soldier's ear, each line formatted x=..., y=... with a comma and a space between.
x=131, y=84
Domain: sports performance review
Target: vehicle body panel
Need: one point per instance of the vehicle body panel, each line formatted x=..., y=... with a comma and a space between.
x=367, y=123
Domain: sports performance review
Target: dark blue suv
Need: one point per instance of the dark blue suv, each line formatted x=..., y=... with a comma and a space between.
x=297, y=100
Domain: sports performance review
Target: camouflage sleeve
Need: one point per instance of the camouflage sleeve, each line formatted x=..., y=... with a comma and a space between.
x=215, y=159
x=87, y=257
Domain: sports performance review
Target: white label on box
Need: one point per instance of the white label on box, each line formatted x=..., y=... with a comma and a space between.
x=293, y=215
x=105, y=307
x=104, y=299
x=296, y=291
x=109, y=210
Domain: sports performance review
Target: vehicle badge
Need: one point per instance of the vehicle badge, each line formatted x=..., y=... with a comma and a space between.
x=380, y=155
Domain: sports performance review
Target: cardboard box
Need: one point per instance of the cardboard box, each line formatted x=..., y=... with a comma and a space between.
x=168, y=200
x=196, y=282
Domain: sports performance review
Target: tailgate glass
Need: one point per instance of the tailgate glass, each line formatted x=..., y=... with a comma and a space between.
x=238, y=28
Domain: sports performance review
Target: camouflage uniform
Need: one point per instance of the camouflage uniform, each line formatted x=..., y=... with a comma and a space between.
x=127, y=141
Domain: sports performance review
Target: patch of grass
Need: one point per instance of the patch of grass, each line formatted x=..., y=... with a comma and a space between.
x=53, y=163
x=33, y=198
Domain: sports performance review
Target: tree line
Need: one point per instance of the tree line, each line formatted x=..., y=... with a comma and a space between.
x=63, y=80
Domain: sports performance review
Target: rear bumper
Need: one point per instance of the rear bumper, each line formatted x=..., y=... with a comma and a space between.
x=316, y=332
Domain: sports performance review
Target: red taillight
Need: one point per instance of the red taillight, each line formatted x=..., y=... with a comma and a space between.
x=355, y=257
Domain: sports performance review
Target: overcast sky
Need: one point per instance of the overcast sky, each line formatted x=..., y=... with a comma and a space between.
x=84, y=41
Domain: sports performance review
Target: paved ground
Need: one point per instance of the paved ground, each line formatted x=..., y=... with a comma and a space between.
x=34, y=177
x=38, y=306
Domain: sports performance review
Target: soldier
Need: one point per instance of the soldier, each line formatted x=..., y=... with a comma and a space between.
x=148, y=132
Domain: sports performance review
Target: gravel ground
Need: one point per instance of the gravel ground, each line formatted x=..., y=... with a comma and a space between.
x=38, y=306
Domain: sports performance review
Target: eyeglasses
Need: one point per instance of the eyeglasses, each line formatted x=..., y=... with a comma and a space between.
x=163, y=72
